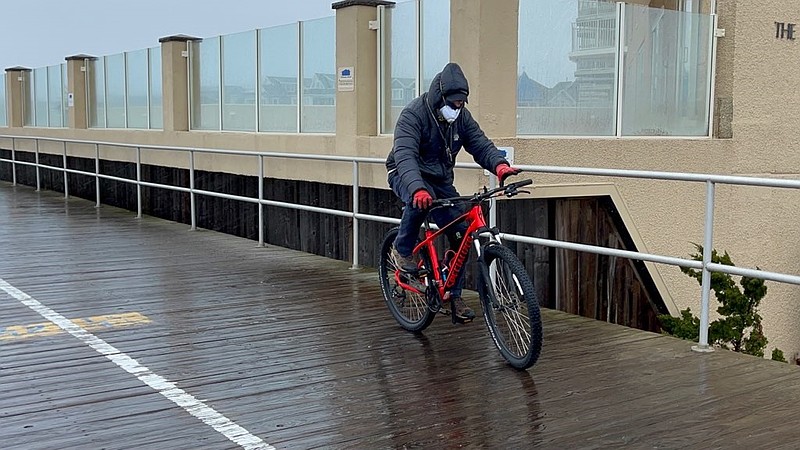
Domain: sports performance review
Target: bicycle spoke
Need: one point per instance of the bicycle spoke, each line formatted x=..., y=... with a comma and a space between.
x=515, y=321
x=512, y=313
x=408, y=307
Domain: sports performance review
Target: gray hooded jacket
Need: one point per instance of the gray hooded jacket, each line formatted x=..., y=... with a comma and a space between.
x=425, y=145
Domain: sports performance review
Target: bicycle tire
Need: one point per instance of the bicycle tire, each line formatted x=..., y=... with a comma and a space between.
x=510, y=307
x=408, y=308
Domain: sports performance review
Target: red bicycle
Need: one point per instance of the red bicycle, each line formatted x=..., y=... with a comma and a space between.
x=509, y=303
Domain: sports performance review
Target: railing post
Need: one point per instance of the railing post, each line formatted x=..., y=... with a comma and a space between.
x=708, y=246
x=66, y=175
x=492, y=202
x=13, y=162
x=620, y=67
x=355, y=213
x=260, y=201
x=97, y=174
x=38, y=176
x=191, y=188
x=138, y=182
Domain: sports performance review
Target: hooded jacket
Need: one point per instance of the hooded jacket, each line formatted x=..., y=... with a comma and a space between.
x=425, y=145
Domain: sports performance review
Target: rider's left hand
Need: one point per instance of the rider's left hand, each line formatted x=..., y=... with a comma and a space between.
x=503, y=171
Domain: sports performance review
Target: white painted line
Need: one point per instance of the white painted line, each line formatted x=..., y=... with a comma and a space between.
x=193, y=406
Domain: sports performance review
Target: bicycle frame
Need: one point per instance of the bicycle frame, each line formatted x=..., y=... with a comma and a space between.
x=475, y=222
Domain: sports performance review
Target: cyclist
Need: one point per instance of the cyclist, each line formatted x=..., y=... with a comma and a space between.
x=430, y=132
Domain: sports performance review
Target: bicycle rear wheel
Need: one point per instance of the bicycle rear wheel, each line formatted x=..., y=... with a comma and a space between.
x=410, y=309
x=510, y=307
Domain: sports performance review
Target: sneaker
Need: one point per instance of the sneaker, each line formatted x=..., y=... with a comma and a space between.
x=463, y=312
x=404, y=263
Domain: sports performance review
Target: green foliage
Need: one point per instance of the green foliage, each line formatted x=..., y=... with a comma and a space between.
x=739, y=327
x=777, y=355
x=685, y=327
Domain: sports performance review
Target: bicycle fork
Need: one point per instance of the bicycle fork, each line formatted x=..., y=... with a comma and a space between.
x=486, y=277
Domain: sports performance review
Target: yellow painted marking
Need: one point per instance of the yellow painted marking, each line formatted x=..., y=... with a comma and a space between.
x=95, y=323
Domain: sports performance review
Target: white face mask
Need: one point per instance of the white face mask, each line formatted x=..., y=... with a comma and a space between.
x=449, y=113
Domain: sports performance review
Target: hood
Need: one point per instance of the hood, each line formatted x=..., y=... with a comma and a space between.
x=450, y=82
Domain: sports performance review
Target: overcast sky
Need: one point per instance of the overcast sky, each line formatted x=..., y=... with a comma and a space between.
x=38, y=33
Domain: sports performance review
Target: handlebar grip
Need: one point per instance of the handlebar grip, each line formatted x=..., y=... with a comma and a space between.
x=524, y=182
x=519, y=184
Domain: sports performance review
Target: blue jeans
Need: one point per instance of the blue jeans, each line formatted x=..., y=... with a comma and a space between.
x=412, y=219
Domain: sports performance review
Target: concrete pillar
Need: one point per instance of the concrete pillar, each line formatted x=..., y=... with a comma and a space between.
x=175, y=81
x=77, y=91
x=17, y=80
x=484, y=40
x=357, y=66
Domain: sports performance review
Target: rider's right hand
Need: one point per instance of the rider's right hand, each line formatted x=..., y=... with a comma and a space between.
x=422, y=199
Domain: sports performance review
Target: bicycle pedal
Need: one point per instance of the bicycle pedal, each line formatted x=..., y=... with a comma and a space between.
x=461, y=320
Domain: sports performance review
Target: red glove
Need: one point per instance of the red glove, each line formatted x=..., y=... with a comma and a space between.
x=504, y=170
x=422, y=199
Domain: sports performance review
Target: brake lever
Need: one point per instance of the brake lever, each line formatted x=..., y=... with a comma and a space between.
x=512, y=192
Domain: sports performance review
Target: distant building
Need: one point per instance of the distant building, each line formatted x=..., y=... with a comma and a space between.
x=594, y=42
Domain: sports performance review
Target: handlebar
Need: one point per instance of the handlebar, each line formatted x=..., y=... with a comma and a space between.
x=508, y=190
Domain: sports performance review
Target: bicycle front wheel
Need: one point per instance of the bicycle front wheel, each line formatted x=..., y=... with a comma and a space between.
x=410, y=309
x=510, y=307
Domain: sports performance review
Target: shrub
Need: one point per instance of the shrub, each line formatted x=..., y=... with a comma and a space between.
x=739, y=327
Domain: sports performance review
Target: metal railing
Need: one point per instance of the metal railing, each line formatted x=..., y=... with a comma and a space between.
x=709, y=180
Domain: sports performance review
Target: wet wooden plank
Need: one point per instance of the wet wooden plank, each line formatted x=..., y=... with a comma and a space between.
x=301, y=352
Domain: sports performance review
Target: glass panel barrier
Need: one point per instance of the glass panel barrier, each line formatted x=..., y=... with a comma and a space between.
x=435, y=39
x=205, y=84
x=3, y=114
x=55, y=94
x=567, y=68
x=97, y=92
x=156, y=93
x=401, y=61
x=137, y=80
x=318, y=105
x=64, y=95
x=666, y=73
x=278, y=85
x=115, y=91
x=40, y=96
x=239, y=81
x=28, y=106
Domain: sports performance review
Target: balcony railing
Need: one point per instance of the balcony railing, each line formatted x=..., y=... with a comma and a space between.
x=594, y=34
x=595, y=7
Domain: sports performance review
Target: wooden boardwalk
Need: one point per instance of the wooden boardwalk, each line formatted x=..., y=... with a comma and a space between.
x=199, y=340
